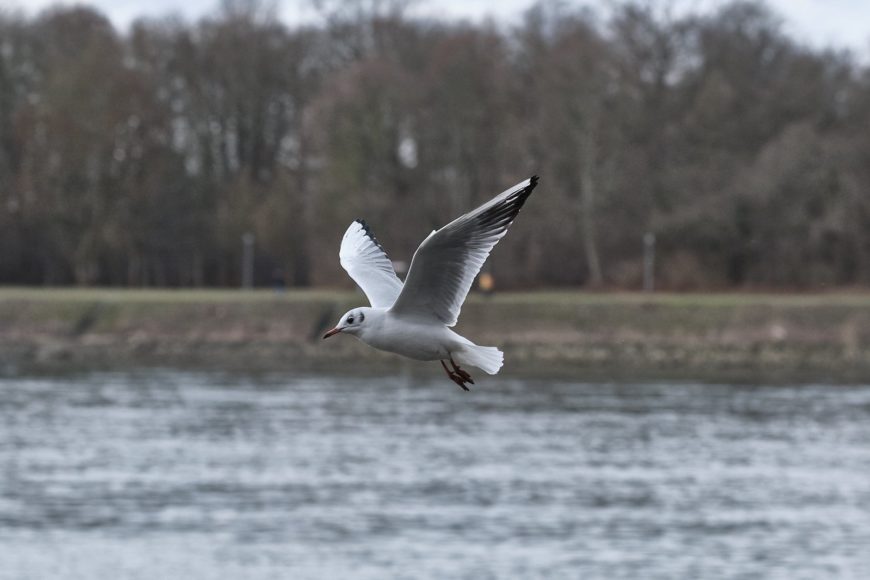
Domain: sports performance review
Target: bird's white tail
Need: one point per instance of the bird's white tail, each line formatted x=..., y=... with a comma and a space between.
x=487, y=358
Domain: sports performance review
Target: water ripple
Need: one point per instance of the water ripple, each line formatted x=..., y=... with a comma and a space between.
x=181, y=475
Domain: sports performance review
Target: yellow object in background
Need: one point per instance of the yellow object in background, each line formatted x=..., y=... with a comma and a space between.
x=486, y=283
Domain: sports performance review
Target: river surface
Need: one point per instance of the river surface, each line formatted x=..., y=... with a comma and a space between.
x=164, y=475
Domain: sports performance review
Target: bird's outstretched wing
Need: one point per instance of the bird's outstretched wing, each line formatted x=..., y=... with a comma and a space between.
x=445, y=264
x=367, y=263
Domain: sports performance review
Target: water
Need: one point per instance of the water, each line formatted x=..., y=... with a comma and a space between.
x=197, y=476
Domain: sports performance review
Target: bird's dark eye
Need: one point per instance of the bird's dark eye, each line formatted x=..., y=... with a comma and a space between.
x=350, y=319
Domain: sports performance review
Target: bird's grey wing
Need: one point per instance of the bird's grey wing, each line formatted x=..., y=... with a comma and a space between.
x=365, y=260
x=445, y=264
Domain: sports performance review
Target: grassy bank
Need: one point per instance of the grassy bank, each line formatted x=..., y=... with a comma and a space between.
x=804, y=336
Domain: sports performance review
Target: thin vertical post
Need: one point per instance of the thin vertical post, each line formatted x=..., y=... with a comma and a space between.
x=649, y=262
x=248, y=261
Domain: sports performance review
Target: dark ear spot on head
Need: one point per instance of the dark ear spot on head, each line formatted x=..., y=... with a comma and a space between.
x=362, y=317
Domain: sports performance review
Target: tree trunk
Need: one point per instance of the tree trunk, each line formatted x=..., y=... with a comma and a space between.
x=197, y=273
x=301, y=266
x=133, y=269
x=587, y=208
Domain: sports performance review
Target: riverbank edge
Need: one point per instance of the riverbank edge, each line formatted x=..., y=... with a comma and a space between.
x=791, y=338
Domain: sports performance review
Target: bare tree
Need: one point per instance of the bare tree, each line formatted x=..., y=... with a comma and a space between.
x=142, y=158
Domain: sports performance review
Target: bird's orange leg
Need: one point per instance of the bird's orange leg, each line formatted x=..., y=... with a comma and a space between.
x=455, y=377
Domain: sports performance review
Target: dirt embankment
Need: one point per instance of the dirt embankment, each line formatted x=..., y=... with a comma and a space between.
x=820, y=337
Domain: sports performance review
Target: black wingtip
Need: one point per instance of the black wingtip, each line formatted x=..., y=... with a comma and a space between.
x=525, y=192
x=503, y=214
x=369, y=233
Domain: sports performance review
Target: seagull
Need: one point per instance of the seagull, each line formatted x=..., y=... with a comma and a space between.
x=414, y=319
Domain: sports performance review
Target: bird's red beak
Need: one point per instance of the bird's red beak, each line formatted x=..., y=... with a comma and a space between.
x=331, y=332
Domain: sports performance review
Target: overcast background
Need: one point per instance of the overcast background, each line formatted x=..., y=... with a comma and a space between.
x=824, y=23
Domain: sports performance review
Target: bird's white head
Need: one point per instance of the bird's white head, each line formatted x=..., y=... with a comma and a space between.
x=352, y=322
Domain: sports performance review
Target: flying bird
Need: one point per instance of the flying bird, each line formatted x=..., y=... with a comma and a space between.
x=414, y=319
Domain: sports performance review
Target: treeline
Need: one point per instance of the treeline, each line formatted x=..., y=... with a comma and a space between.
x=143, y=158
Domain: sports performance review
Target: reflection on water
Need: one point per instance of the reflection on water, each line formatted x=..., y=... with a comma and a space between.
x=175, y=475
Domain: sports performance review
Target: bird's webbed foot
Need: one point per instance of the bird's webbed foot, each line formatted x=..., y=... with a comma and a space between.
x=456, y=377
x=462, y=373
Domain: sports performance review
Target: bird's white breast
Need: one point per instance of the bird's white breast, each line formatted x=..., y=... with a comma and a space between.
x=416, y=340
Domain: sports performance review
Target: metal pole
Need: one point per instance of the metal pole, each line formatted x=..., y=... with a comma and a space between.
x=649, y=262
x=248, y=261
